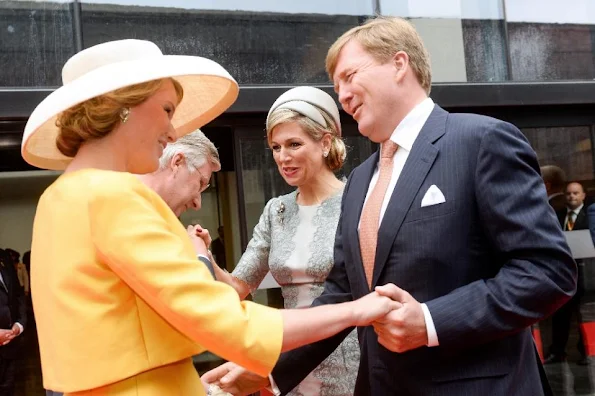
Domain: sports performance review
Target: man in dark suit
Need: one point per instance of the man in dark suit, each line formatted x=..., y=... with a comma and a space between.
x=457, y=217
x=572, y=217
x=12, y=321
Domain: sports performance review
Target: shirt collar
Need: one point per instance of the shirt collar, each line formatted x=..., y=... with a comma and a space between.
x=577, y=209
x=409, y=128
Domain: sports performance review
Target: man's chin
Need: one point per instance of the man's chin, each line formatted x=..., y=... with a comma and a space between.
x=366, y=131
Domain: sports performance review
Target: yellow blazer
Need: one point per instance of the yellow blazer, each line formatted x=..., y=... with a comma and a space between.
x=118, y=292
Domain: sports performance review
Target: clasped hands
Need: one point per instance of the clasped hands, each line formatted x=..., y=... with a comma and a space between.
x=7, y=335
x=400, y=330
x=200, y=238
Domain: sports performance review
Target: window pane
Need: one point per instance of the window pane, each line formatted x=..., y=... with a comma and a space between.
x=332, y=7
x=550, y=39
x=36, y=40
x=465, y=38
x=485, y=50
x=255, y=47
x=567, y=147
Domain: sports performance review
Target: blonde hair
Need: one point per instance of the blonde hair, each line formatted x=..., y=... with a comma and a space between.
x=382, y=37
x=97, y=117
x=337, y=153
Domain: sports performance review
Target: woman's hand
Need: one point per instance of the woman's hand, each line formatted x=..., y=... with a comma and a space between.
x=372, y=307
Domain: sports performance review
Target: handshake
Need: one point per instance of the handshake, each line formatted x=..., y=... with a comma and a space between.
x=398, y=320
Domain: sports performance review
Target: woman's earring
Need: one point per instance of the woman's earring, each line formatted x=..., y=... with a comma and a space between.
x=124, y=113
x=325, y=154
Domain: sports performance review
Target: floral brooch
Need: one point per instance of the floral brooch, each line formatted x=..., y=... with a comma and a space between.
x=280, y=211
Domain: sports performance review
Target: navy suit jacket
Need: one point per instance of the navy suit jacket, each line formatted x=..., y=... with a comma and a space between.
x=489, y=262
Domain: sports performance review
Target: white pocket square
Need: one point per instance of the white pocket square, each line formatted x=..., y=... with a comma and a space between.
x=433, y=197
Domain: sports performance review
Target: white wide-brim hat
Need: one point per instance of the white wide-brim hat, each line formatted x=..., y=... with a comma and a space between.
x=208, y=91
x=308, y=101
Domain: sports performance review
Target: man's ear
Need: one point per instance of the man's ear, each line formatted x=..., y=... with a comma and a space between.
x=401, y=64
x=177, y=161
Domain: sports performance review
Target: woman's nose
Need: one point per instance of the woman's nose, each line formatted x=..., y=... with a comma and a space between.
x=171, y=134
x=283, y=155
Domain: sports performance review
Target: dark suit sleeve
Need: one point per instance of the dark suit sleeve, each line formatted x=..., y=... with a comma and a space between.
x=591, y=220
x=538, y=275
x=19, y=299
x=294, y=366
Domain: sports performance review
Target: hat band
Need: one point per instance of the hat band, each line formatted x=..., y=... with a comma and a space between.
x=305, y=109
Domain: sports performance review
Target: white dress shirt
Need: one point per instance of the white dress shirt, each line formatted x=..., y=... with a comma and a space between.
x=405, y=135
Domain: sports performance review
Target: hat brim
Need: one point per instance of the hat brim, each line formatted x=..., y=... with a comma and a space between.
x=209, y=90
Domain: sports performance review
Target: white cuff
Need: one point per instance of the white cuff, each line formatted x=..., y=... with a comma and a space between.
x=20, y=326
x=430, y=328
x=273, y=387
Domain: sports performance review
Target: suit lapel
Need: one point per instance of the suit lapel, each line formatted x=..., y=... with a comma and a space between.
x=581, y=220
x=418, y=164
x=360, y=184
x=5, y=278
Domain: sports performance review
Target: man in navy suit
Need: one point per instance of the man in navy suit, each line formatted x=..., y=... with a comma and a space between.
x=464, y=229
x=572, y=217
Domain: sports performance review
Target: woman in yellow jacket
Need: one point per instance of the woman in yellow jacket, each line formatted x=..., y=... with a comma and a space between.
x=121, y=300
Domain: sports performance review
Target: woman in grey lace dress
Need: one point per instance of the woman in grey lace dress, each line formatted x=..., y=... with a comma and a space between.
x=295, y=235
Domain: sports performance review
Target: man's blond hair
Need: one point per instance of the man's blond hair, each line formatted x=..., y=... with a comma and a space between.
x=382, y=37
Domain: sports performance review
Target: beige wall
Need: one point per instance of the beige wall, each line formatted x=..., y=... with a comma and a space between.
x=16, y=220
x=444, y=40
x=19, y=194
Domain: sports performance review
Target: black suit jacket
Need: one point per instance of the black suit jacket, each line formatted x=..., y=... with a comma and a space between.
x=580, y=223
x=13, y=309
x=489, y=262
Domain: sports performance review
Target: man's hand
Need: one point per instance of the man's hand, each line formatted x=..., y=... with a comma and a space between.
x=16, y=330
x=402, y=329
x=235, y=379
x=6, y=336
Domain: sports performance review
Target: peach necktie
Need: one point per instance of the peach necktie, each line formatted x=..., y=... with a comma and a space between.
x=370, y=219
x=570, y=221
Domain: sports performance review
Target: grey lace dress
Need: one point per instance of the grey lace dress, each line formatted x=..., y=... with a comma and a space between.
x=295, y=243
